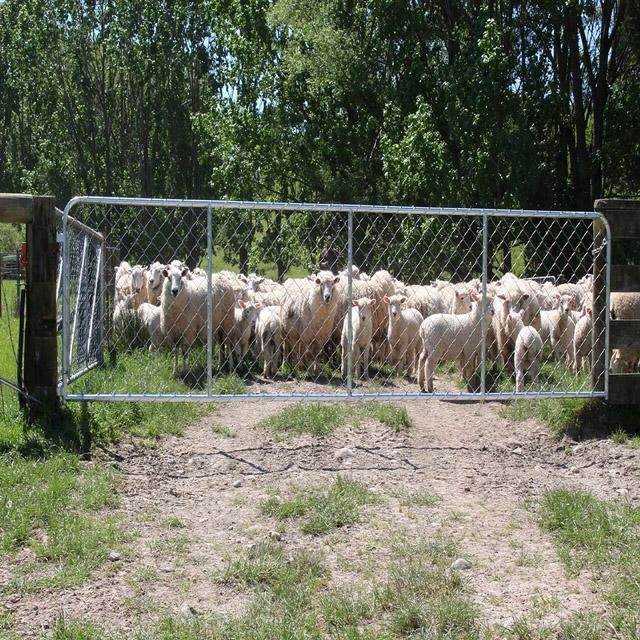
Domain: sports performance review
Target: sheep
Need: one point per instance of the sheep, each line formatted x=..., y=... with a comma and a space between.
x=426, y=299
x=447, y=336
x=124, y=314
x=308, y=317
x=269, y=336
x=512, y=293
x=582, y=339
x=130, y=280
x=245, y=316
x=558, y=326
x=184, y=310
x=150, y=317
x=154, y=279
x=625, y=306
x=376, y=287
x=122, y=281
x=528, y=350
x=402, y=333
x=362, y=330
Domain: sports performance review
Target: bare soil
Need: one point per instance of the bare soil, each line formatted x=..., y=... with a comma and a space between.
x=488, y=472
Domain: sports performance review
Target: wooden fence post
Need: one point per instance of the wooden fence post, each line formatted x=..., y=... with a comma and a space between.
x=623, y=217
x=41, y=340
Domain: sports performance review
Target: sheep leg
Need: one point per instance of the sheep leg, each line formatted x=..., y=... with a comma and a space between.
x=421, y=369
x=365, y=358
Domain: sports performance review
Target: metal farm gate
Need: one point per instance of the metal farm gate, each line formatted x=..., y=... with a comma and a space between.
x=242, y=285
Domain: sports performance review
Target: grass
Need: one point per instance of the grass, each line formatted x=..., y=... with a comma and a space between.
x=603, y=537
x=413, y=596
x=321, y=419
x=58, y=508
x=323, y=509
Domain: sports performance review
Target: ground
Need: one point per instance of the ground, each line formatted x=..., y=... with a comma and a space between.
x=194, y=502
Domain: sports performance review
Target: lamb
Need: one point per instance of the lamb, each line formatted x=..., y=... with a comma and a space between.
x=402, y=333
x=309, y=316
x=447, y=336
x=122, y=281
x=269, y=336
x=528, y=350
x=130, y=281
x=362, y=331
x=582, y=339
x=124, y=314
x=150, y=317
x=245, y=316
x=558, y=326
x=513, y=294
x=154, y=279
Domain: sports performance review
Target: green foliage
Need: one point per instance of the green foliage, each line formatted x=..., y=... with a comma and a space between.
x=323, y=509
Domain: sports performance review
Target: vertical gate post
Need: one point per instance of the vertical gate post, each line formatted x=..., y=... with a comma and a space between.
x=41, y=341
x=598, y=350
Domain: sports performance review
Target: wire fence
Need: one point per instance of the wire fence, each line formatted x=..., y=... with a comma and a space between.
x=194, y=300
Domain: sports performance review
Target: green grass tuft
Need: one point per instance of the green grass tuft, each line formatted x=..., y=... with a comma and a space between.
x=323, y=510
x=600, y=536
x=321, y=419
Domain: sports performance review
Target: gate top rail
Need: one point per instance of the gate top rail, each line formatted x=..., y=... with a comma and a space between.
x=328, y=207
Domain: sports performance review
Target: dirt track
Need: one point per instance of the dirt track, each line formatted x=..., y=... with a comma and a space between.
x=484, y=468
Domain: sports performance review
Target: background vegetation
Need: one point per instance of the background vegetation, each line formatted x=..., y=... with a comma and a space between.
x=459, y=103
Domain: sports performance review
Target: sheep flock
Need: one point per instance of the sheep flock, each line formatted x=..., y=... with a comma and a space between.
x=259, y=325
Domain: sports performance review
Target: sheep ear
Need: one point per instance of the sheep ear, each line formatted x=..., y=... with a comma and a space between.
x=590, y=311
x=372, y=301
x=185, y=271
x=386, y=299
x=318, y=281
x=241, y=303
x=242, y=277
x=311, y=277
x=474, y=295
x=502, y=296
x=258, y=305
x=525, y=296
x=557, y=296
x=354, y=303
x=336, y=280
x=403, y=300
x=165, y=273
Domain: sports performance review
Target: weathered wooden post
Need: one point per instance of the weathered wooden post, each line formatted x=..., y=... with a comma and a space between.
x=41, y=342
x=623, y=217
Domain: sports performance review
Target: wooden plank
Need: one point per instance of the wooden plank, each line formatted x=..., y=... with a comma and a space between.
x=16, y=208
x=623, y=217
x=625, y=334
x=41, y=341
x=623, y=388
x=625, y=278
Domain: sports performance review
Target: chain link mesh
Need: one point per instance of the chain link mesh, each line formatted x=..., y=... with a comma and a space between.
x=449, y=302
x=84, y=289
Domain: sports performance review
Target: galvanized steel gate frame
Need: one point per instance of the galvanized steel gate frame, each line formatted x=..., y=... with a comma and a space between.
x=349, y=209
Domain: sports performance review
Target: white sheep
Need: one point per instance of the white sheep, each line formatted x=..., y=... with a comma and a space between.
x=625, y=306
x=154, y=279
x=402, y=333
x=426, y=299
x=269, y=336
x=245, y=316
x=184, y=310
x=150, y=317
x=582, y=339
x=527, y=355
x=130, y=281
x=558, y=326
x=447, y=336
x=308, y=317
x=362, y=331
